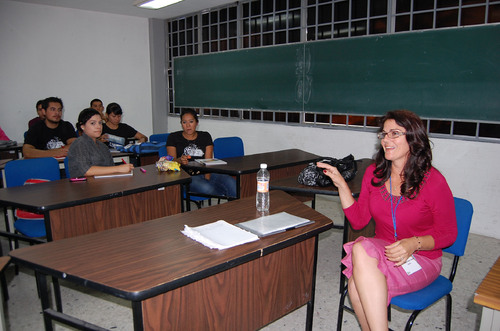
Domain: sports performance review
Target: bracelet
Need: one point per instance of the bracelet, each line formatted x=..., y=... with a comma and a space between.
x=419, y=243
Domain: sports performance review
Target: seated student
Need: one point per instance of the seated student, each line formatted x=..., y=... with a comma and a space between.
x=88, y=156
x=97, y=105
x=52, y=136
x=40, y=116
x=190, y=144
x=113, y=126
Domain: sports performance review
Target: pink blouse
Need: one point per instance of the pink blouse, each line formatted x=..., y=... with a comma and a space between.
x=432, y=212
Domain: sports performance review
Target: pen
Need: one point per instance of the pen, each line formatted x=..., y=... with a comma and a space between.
x=124, y=161
x=143, y=170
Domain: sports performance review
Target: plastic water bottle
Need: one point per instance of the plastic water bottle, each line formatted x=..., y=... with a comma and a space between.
x=262, y=197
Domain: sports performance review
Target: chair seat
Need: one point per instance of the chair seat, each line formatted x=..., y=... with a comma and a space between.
x=31, y=228
x=423, y=298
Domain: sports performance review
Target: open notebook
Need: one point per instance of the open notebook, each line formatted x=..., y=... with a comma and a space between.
x=131, y=173
x=209, y=162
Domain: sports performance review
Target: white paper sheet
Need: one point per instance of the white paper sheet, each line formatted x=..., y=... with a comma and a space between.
x=219, y=235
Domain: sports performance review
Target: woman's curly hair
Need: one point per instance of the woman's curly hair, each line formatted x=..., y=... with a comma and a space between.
x=420, y=158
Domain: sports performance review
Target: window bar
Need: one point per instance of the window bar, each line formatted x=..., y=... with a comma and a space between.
x=434, y=15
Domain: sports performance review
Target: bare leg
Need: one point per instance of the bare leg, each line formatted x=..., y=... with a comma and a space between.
x=356, y=305
x=371, y=288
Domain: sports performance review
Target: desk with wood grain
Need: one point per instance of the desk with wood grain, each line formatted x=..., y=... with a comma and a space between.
x=304, y=193
x=176, y=283
x=77, y=208
x=281, y=164
x=488, y=296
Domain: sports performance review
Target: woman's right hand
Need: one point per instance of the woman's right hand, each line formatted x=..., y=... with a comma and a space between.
x=345, y=193
x=333, y=173
x=184, y=159
x=124, y=168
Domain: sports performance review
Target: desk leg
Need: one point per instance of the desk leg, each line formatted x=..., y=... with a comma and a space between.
x=9, y=226
x=137, y=315
x=310, y=304
x=57, y=293
x=238, y=186
x=41, y=281
x=186, y=194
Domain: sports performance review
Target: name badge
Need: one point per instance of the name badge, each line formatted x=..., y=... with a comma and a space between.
x=411, y=266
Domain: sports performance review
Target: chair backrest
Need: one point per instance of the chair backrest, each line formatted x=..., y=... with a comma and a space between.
x=162, y=151
x=159, y=137
x=66, y=167
x=464, y=211
x=18, y=171
x=228, y=147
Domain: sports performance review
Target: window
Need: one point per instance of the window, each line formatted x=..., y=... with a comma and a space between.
x=259, y=23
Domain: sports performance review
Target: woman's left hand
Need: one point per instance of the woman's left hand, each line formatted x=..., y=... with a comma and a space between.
x=400, y=251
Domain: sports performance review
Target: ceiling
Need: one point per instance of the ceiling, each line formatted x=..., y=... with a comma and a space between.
x=126, y=7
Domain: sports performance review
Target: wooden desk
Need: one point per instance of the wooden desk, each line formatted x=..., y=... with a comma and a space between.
x=76, y=208
x=280, y=164
x=488, y=296
x=292, y=186
x=176, y=283
x=11, y=152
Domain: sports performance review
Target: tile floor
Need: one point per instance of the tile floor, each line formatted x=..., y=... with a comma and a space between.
x=22, y=311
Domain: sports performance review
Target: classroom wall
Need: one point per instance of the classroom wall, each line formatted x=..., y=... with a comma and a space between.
x=471, y=168
x=76, y=55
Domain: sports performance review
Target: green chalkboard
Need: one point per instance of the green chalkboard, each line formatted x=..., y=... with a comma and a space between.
x=448, y=73
x=264, y=78
x=452, y=73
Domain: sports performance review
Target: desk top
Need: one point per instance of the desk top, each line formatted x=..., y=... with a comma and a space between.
x=488, y=292
x=114, y=154
x=251, y=163
x=63, y=193
x=139, y=261
x=14, y=147
x=290, y=184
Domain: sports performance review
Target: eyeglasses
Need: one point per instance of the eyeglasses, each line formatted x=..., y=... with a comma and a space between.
x=393, y=134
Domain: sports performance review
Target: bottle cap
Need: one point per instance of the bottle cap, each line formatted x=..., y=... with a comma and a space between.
x=263, y=165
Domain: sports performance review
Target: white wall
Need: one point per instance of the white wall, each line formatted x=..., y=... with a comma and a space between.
x=76, y=55
x=471, y=168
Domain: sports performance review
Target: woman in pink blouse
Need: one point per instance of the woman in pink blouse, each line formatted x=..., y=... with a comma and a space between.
x=414, y=214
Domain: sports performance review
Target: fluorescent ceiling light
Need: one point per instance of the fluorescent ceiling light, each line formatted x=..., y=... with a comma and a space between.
x=154, y=4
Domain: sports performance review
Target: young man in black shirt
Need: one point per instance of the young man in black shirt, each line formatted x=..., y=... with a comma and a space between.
x=52, y=136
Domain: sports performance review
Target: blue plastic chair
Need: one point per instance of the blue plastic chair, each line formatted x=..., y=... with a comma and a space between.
x=66, y=168
x=17, y=172
x=225, y=147
x=442, y=286
x=159, y=137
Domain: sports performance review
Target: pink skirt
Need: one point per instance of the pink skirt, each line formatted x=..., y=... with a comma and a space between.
x=398, y=282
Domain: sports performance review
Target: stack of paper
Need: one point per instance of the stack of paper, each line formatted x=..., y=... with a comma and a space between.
x=219, y=235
